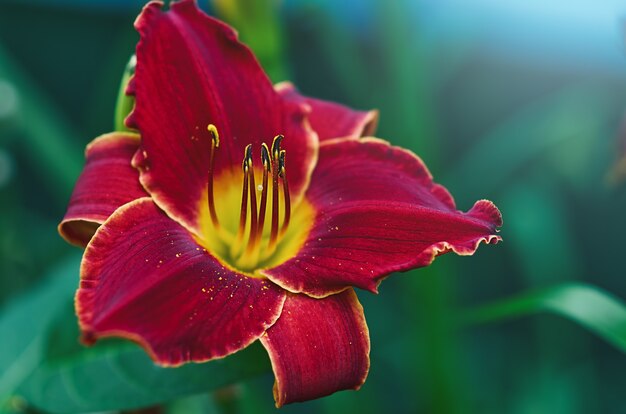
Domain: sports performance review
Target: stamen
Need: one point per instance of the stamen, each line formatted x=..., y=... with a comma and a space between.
x=215, y=143
x=282, y=174
x=257, y=251
x=267, y=166
x=275, y=171
x=253, y=212
x=244, y=199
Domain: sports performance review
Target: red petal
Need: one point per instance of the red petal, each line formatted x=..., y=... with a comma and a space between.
x=318, y=346
x=107, y=182
x=144, y=277
x=378, y=212
x=191, y=72
x=330, y=119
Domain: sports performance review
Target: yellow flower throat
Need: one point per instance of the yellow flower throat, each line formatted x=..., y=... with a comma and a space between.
x=245, y=229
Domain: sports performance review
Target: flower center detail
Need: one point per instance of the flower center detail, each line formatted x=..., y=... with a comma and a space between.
x=264, y=233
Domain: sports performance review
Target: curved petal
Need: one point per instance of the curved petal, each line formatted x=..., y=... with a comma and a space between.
x=191, y=72
x=332, y=120
x=107, y=182
x=143, y=277
x=318, y=346
x=378, y=212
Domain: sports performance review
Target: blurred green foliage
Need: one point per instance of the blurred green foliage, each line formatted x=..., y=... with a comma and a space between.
x=258, y=25
x=536, y=135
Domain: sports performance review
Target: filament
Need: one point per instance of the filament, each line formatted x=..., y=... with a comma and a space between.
x=244, y=202
x=283, y=175
x=267, y=166
x=275, y=203
x=215, y=143
x=253, y=211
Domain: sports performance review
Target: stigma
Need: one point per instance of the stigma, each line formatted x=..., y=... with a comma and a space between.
x=264, y=196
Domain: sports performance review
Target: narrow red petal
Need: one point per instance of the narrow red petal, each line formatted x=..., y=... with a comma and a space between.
x=378, y=212
x=318, y=347
x=143, y=277
x=332, y=120
x=107, y=182
x=191, y=72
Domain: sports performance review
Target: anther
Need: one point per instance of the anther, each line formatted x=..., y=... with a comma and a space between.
x=215, y=143
x=281, y=164
x=215, y=136
x=247, y=159
x=278, y=139
x=265, y=156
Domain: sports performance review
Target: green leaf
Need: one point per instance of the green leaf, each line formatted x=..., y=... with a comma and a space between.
x=584, y=304
x=119, y=375
x=124, y=102
x=23, y=324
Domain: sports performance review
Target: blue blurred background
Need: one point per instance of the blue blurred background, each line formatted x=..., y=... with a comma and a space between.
x=519, y=102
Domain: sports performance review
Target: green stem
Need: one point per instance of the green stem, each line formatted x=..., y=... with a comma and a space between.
x=124, y=103
x=433, y=297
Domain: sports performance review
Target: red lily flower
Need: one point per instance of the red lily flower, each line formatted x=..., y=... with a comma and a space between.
x=195, y=255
